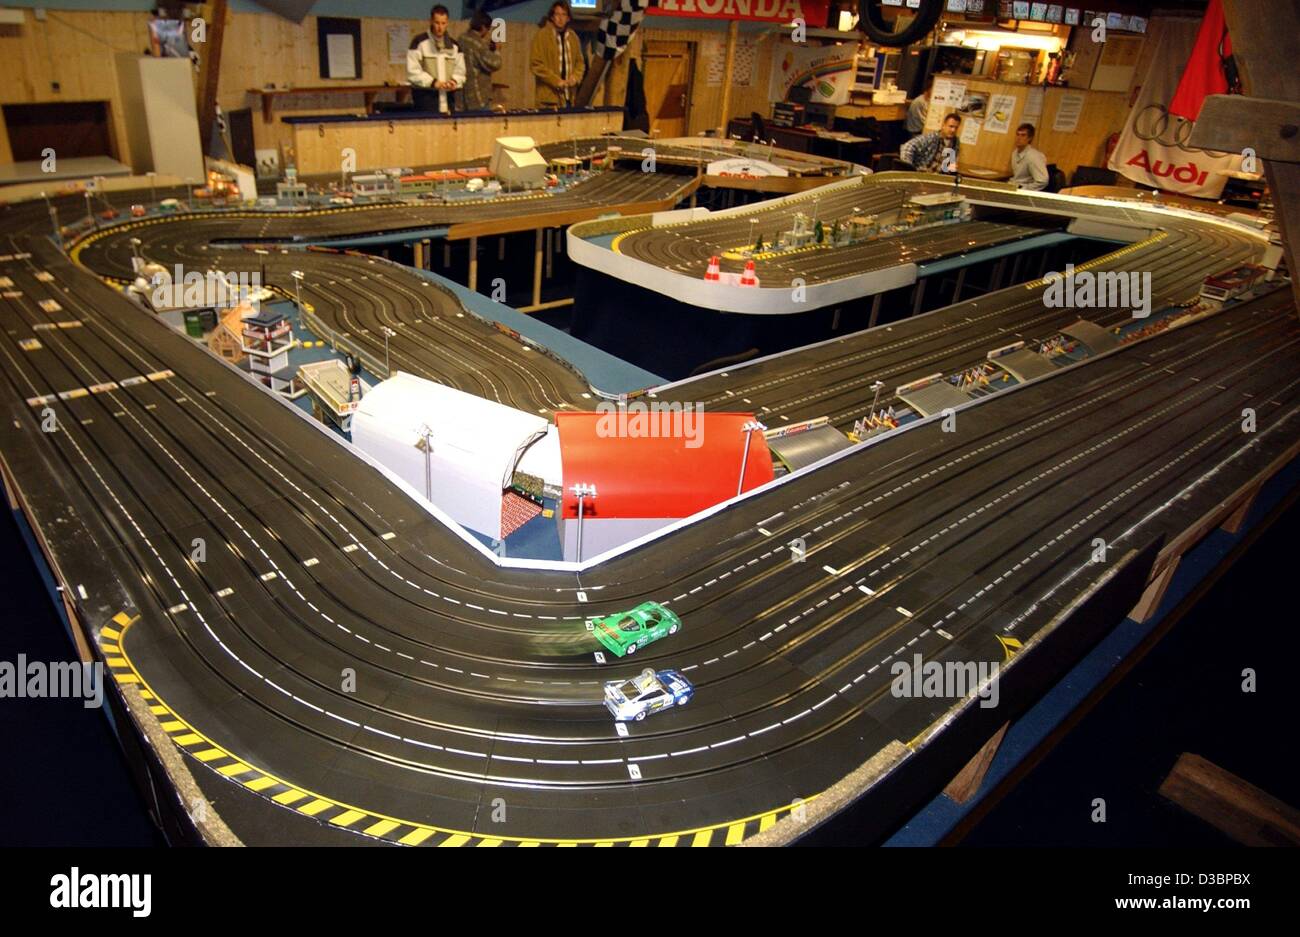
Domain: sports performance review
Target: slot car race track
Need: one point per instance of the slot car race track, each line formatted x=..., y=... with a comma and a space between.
x=686, y=247
x=356, y=297
x=616, y=190
x=475, y=682
x=834, y=378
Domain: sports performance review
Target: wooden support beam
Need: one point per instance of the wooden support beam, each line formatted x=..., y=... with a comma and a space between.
x=1270, y=128
x=553, y=304
x=1231, y=805
x=210, y=69
x=969, y=779
x=473, y=264
x=1155, y=591
x=1238, y=517
x=729, y=64
x=537, y=271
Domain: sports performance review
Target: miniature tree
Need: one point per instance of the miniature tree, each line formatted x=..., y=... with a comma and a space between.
x=819, y=233
x=758, y=245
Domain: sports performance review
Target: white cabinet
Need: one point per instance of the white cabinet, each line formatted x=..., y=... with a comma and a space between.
x=161, y=117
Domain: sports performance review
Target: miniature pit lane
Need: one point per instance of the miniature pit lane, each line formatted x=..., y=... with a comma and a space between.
x=472, y=682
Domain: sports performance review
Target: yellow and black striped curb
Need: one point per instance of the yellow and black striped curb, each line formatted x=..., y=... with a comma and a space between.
x=332, y=812
x=1103, y=260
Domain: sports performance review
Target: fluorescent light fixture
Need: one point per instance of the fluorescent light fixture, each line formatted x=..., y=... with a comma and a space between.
x=993, y=41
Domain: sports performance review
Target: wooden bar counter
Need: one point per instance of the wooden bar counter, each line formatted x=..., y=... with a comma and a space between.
x=421, y=138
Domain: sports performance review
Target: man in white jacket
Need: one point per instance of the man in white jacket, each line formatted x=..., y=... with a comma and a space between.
x=435, y=66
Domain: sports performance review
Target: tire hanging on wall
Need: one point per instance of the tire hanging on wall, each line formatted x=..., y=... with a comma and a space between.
x=871, y=20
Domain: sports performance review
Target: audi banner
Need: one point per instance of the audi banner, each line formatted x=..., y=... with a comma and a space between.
x=1153, y=148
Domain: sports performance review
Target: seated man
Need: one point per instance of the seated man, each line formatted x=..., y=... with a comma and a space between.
x=1028, y=165
x=435, y=66
x=918, y=109
x=934, y=152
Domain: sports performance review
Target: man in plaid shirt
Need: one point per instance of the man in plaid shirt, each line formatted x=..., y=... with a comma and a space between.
x=936, y=151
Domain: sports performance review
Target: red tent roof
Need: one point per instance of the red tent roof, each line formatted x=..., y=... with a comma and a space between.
x=639, y=475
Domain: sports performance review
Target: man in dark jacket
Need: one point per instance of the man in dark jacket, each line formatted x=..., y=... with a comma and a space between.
x=481, y=60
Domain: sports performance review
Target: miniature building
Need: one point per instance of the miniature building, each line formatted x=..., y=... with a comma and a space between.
x=267, y=339
x=476, y=448
x=372, y=185
x=565, y=165
x=515, y=161
x=290, y=189
x=335, y=391
x=291, y=192
x=936, y=206
x=226, y=340
x=861, y=227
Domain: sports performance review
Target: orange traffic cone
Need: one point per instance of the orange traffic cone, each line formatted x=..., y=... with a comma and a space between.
x=715, y=269
x=748, y=278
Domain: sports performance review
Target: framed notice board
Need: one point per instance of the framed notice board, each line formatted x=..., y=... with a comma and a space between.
x=338, y=40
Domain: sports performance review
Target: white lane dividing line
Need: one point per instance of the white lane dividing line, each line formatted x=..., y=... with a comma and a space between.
x=868, y=590
x=832, y=570
x=902, y=611
x=81, y=591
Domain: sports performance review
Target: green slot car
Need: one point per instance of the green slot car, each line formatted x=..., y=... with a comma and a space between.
x=625, y=632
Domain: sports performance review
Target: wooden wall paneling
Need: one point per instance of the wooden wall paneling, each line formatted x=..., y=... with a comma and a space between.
x=1103, y=114
x=76, y=50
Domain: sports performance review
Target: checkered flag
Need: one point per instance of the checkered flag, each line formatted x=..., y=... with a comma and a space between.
x=619, y=25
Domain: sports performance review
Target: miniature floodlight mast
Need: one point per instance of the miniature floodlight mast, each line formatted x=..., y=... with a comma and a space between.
x=749, y=429
x=388, y=333
x=425, y=444
x=297, y=287
x=582, y=491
